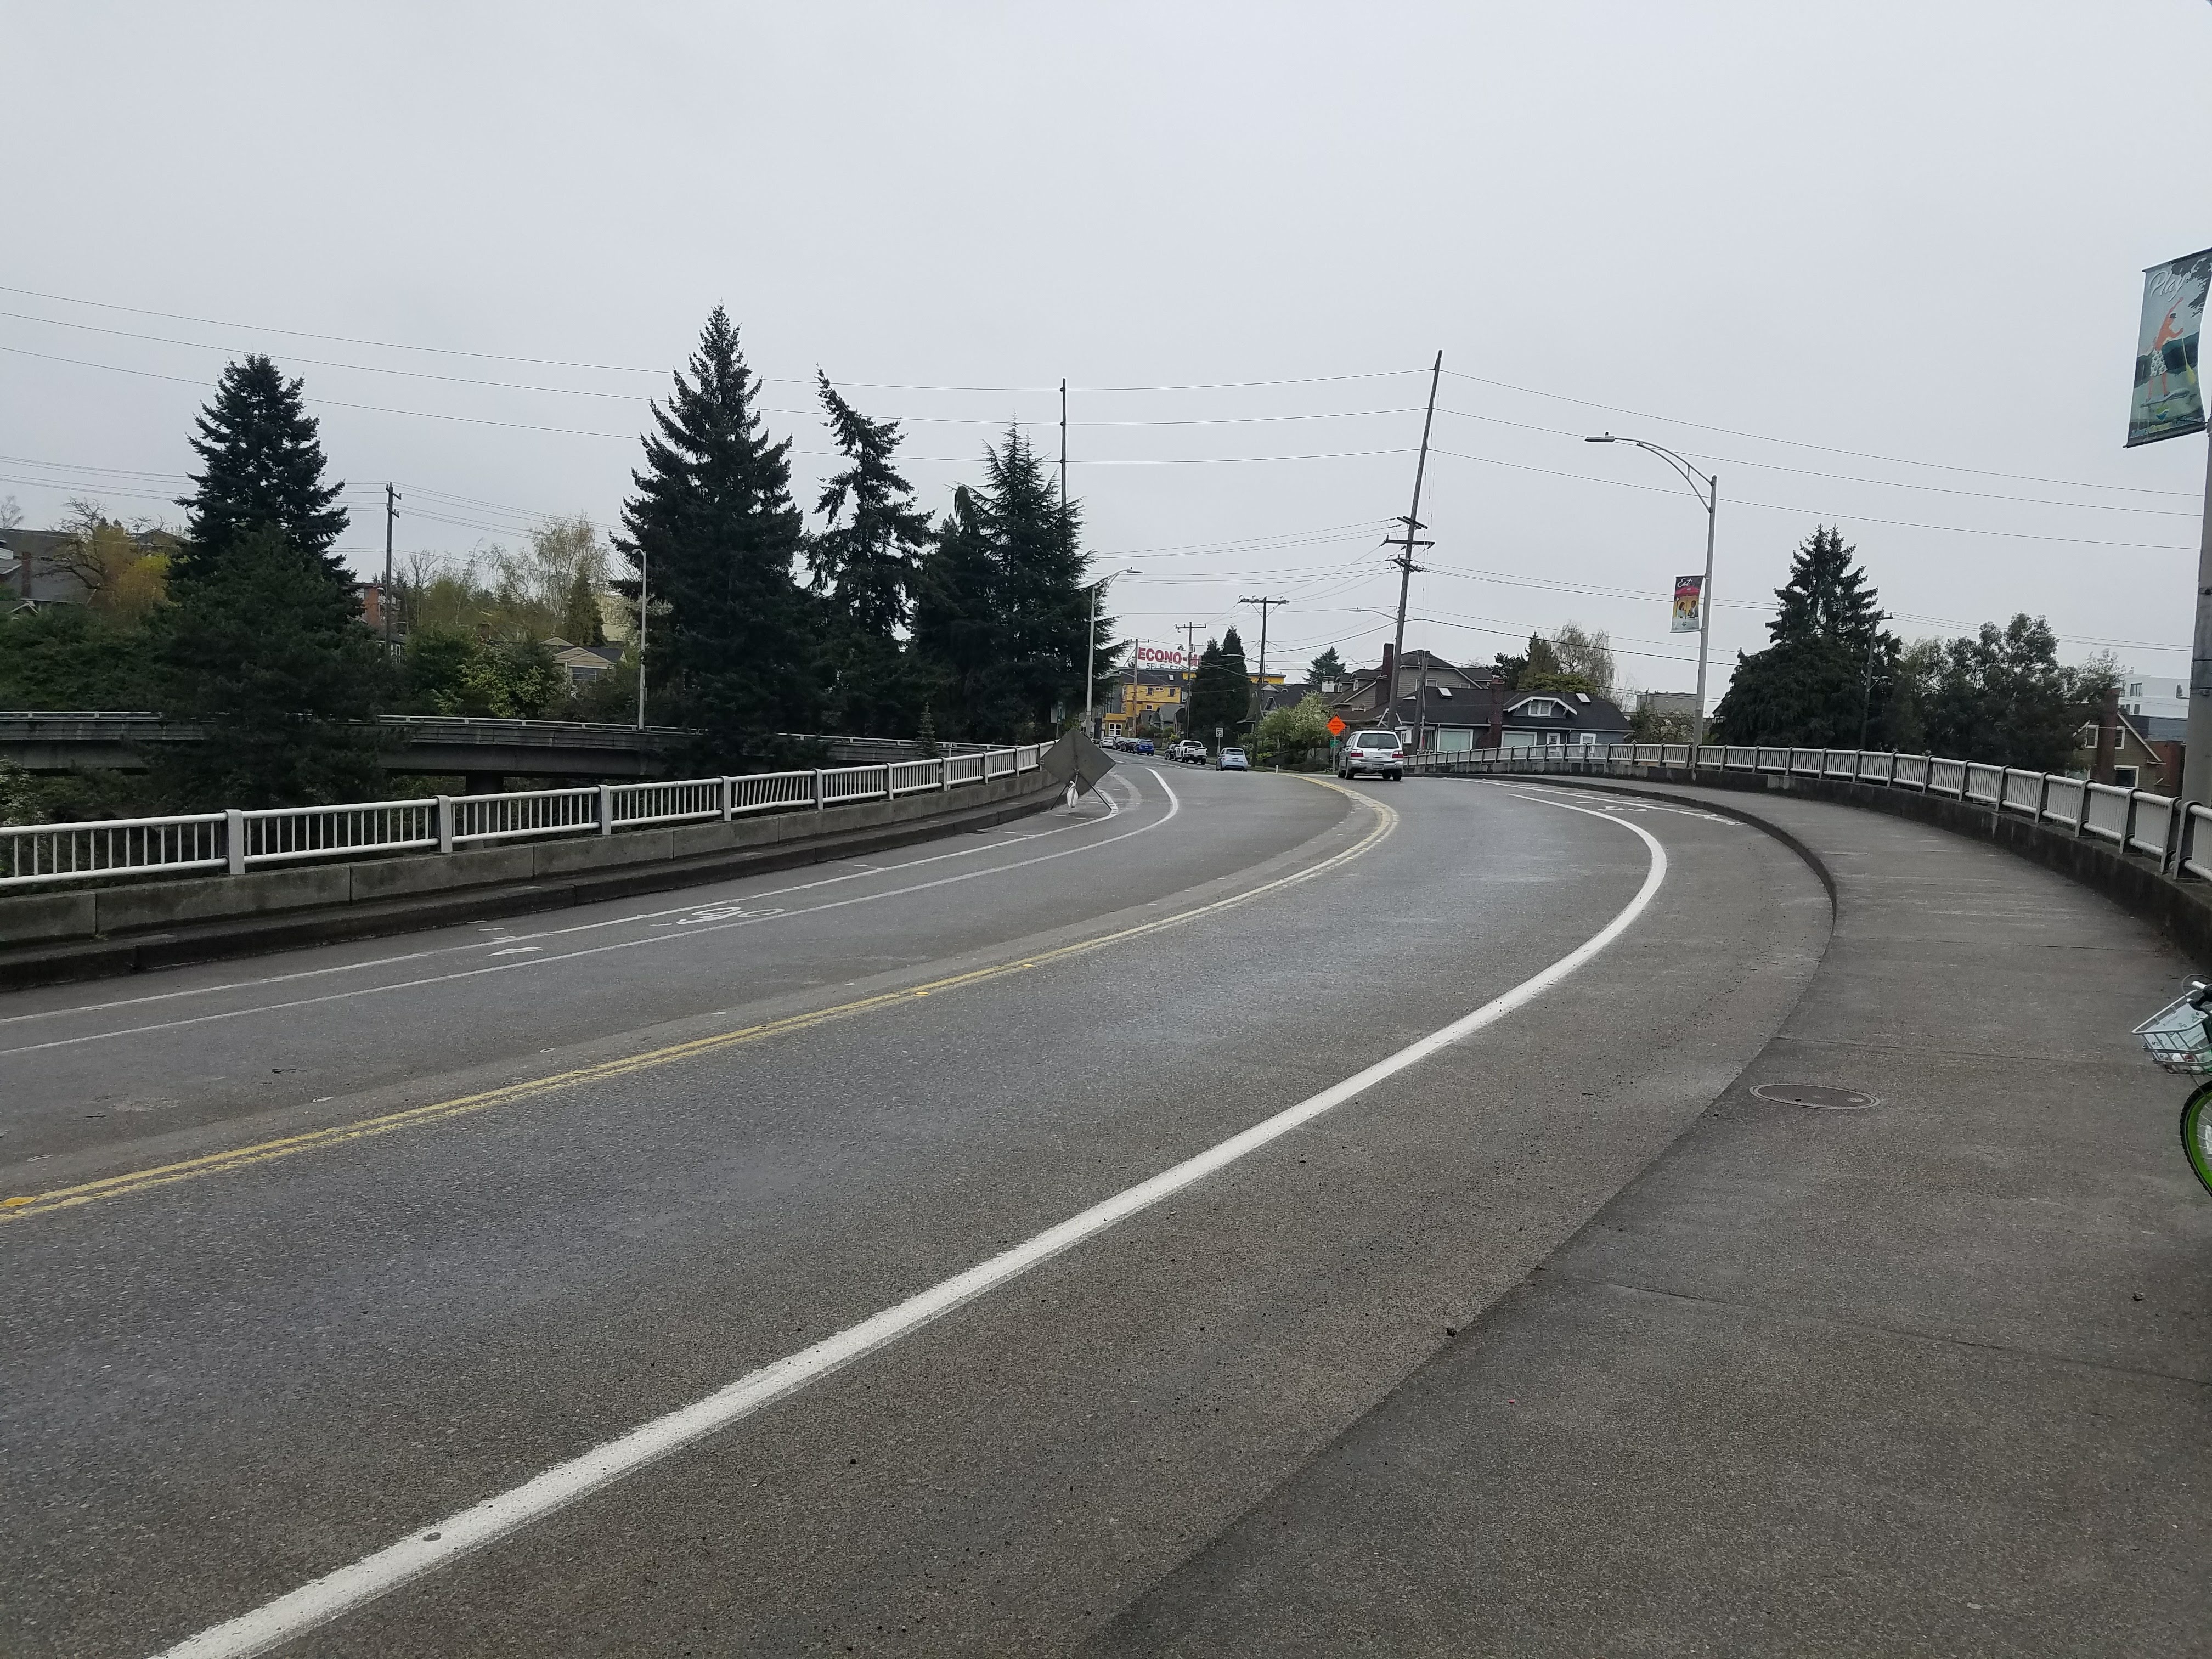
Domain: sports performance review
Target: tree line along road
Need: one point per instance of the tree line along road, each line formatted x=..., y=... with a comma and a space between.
x=328, y=1252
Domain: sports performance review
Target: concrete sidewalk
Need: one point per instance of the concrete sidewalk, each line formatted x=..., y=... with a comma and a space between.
x=1925, y=1377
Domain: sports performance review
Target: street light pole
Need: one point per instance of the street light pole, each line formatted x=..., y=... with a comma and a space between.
x=1706, y=487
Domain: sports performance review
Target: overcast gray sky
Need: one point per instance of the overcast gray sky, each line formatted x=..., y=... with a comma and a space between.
x=1894, y=249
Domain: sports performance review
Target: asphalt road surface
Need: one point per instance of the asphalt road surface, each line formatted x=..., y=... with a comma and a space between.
x=772, y=1267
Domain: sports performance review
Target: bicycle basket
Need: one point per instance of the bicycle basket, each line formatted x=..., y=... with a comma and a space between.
x=2176, y=1036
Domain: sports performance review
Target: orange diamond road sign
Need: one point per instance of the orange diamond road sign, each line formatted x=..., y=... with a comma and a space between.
x=1336, y=726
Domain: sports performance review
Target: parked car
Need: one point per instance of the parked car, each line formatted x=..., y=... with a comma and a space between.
x=1189, y=750
x=1232, y=760
x=1142, y=745
x=1377, y=752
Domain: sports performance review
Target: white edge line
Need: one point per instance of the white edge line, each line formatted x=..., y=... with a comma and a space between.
x=337, y=1593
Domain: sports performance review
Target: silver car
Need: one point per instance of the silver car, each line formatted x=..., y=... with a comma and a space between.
x=1376, y=752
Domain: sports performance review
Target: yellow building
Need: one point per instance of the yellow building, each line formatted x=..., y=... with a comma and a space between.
x=1153, y=702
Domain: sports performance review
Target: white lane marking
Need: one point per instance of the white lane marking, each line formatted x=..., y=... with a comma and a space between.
x=500, y=935
x=443, y=1541
x=519, y=951
x=1175, y=806
x=1551, y=794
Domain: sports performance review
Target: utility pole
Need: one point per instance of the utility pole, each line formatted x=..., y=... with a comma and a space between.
x=1260, y=680
x=1063, y=448
x=1866, y=696
x=2197, y=735
x=1405, y=559
x=1421, y=701
x=1190, y=631
x=641, y=635
x=384, y=599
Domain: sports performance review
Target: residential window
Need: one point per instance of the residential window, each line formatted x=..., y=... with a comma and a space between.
x=2124, y=776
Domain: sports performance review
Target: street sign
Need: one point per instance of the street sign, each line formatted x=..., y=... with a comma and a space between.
x=1336, y=726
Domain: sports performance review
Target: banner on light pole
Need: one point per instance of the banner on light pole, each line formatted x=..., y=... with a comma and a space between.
x=2169, y=399
x=1689, y=604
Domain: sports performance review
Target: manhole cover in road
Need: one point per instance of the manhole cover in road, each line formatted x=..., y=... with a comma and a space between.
x=1816, y=1094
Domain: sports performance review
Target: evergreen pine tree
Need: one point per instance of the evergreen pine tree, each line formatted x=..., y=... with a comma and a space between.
x=959, y=633
x=1044, y=606
x=1810, y=686
x=581, y=621
x=1327, y=667
x=715, y=532
x=867, y=562
x=1221, y=691
x=263, y=468
x=272, y=661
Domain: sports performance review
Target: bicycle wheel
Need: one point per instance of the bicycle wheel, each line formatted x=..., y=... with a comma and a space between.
x=2196, y=1134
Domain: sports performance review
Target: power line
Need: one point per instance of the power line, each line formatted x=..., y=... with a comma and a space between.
x=634, y=369
x=1828, y=449
x=1825, y=513
x=1881, y=483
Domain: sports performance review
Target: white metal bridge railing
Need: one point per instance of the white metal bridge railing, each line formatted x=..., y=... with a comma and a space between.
x=2178, y=834
x=236, y=841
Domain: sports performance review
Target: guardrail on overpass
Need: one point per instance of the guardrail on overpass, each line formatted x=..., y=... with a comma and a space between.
x=2133, y=820
x=479, y=748
x=232, y=842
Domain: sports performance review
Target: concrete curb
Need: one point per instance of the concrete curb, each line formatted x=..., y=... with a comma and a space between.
x=138, y=951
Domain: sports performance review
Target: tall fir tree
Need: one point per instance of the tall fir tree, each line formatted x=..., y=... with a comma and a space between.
x=1045, y=606
x=1327, y=668
x=1003, y=614
x=271, y=660
x=714, y=531
x=867, y=562
x=1826, y=673
x=262, y=467
x=959, y=635
x=866, y=557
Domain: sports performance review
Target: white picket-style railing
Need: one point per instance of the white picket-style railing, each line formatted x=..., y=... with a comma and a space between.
x=236, y=841
x=2136, y=819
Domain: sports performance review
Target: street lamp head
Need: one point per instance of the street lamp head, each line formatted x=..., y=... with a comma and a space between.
x=1608, y=439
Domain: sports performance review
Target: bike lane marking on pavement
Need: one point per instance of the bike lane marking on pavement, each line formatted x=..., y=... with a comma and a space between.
x=1175, y=806
x=26, y=1206
x=441, y=1542
x=1114, y=809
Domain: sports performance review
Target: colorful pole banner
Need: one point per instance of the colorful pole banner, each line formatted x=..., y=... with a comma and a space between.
x=1689, y=602
x=2169, y=401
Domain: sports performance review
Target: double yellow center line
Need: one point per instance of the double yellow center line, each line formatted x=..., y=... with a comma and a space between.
x=193, y=1169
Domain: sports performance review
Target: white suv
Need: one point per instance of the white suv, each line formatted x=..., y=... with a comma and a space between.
x=1376, y=751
